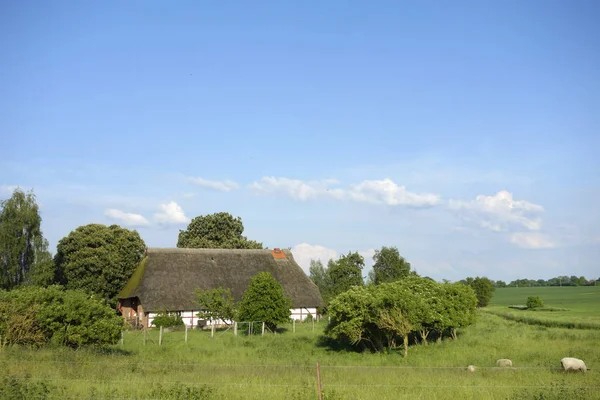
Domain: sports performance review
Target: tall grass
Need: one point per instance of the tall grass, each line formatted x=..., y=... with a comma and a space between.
x=283, y=366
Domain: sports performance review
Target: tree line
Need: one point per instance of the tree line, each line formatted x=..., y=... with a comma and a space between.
x=95, y=258
x=557, y=281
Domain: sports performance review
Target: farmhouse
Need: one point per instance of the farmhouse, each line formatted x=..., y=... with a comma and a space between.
x=166, y=279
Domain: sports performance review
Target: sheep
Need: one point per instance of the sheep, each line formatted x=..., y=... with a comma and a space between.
x=471, y=368
x=573, y=364
x=504, y=362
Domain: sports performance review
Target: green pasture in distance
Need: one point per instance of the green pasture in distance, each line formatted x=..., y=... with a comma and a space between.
x=582, y=302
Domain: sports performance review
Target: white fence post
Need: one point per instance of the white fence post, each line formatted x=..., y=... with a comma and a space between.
x=160, y=336
x=235, y=329
x=212, y=330
x=263, y=329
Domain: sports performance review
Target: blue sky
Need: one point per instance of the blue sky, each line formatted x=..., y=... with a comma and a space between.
x=465, y=133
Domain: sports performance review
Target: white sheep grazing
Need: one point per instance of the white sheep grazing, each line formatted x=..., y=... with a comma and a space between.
x=471, y=368
x=573, y=364
x=504, y=362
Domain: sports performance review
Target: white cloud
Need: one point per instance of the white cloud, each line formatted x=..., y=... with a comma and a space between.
x=531, y=240
x=172, y=213
x=297, y=189
x=223, y=186
x=128, y=219
x=375, y=192
x=305, y=252
x=387, y=192
x=499, y=212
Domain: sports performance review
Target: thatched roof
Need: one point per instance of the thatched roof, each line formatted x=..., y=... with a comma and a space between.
x=167, y=278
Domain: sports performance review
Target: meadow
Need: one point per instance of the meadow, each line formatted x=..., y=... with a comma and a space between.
x=283, y=366
x=574, y=304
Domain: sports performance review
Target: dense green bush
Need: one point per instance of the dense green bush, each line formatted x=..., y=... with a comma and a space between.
x=264, y=301
x=375, y=316
x=35, y=315
x=534, y=302
x=167, y=320
x=98, y=259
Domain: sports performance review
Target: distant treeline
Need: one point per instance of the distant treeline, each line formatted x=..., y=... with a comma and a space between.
x=558, y=281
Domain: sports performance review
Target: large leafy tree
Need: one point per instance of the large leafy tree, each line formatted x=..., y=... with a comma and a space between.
x=389, y=266
x=24, y=256
x=216, y=231
x=344, y=273
x=99, y=259
x=318, y=274
x=483, y=287
x=265, y=301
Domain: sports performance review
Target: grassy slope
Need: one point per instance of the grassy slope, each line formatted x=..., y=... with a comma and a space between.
x=582, y=303
x=283, y=366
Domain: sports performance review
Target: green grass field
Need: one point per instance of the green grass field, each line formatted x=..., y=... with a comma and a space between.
x=581, y=302
x=283, y=366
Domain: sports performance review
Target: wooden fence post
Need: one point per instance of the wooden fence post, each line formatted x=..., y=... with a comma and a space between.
x=235, y=329
x=186, y=329
x=212, y=329
x=160, y=336
x=145, y=329
x=263, y=329
x=319, y=387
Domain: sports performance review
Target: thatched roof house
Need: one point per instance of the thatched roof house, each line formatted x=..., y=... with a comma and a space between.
x=167, y=279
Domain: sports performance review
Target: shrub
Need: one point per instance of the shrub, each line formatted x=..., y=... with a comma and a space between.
x=375, y=316
x=216, y=304
x=534, y=302
x=167, y=320
x=68, y=317
x=264, y=301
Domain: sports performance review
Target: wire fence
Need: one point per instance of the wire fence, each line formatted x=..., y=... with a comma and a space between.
x=315, y=382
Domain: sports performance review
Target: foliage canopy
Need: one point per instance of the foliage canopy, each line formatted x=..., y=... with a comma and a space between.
x=36, y=315
x=484, y=289
x=216, y=304
x=389, y=266
x=98, y=259
x=216, y=231
x=24, y=255
x=265, y=301
x=373, y=317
